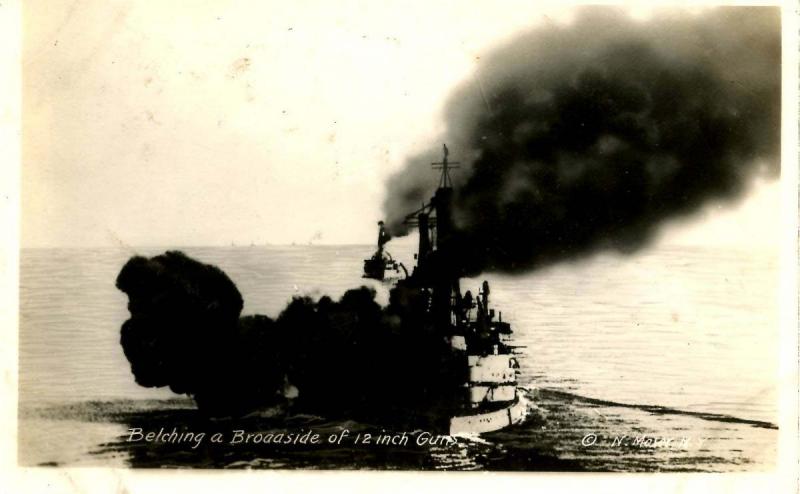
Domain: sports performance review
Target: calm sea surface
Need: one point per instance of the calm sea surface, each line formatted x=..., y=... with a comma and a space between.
x=693, y=331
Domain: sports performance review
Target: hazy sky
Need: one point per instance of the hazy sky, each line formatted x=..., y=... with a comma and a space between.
x=207, y=123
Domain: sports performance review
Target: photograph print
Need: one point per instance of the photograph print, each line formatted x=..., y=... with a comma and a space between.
x=400, y=236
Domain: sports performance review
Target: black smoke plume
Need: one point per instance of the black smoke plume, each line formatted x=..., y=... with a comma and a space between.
x=586, y=136
x=350, y=356
x=185, y=332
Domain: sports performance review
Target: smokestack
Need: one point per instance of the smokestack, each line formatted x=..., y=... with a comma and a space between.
x=424, y=238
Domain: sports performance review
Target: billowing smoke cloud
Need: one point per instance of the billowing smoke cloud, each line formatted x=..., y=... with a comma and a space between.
x=185, y=332
x=586, y=136
x=330, y=357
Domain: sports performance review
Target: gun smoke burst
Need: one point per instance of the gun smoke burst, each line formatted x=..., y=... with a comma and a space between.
x=185, y=332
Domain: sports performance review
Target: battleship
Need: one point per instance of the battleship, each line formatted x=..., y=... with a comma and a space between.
x=486, y=398
x=433, y=358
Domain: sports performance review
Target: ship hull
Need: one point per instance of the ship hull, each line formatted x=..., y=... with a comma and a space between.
x=492, y=421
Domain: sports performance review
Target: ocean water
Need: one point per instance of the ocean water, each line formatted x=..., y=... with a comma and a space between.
x=674, y=342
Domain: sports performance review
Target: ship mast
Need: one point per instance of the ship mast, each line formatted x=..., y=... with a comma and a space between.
x=435, y=270
x=445, y=282
x=445, y=182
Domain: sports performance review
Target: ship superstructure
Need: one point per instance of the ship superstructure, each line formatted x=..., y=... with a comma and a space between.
x=485, y=396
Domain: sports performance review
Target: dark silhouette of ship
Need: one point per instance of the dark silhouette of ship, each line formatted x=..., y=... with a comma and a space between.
x=484, y=396
x=377, y=266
